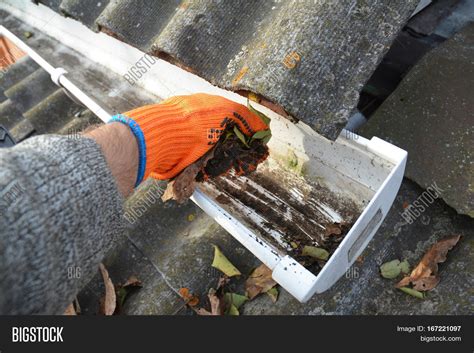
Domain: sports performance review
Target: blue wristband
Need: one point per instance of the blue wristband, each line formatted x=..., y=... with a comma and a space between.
x=137, y=131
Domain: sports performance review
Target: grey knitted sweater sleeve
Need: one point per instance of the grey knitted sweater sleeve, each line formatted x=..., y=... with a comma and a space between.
x=60, y=211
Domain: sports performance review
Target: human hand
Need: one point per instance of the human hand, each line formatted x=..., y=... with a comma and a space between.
x=178, y=131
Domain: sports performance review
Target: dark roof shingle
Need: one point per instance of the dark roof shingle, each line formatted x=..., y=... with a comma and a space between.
x=310, y=57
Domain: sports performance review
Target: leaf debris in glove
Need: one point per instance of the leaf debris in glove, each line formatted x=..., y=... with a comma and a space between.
x=425, y=277
x=182, y=187
x=234, y=150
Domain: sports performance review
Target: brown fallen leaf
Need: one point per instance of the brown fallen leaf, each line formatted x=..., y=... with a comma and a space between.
x=259, y=281
x=109, y=301
x=122, y=291
x=132, y=281
x=188, y=297
x=222, y=281
x=70, y=310
x=424, y=276
x=217, y=305
x=332, y=229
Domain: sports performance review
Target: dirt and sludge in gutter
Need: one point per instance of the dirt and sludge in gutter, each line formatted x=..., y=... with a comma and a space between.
x=295, y=216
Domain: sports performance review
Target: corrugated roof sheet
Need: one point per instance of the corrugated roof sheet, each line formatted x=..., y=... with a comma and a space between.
x=311, y=57
x=30, y=103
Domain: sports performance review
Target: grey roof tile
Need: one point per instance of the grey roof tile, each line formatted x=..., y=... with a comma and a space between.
x=79, y=123
x=85, y=11
x=37, y=105
x=137, y=22
x=31, y=90
x=311, y=58
x=9, y=114
x=431, y=116
x=53, y=4
x=23, y=129
x=14, y=73
x=3, y=97
x=53, y=112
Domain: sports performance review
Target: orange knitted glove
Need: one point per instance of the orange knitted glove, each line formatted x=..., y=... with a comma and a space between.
x=178, y=131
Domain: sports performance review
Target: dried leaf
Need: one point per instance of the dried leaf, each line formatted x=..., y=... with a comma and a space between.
x=234, y=299
x=182, y=187
x=412, y=292
x=77, y=306
x=223, y=280
x=223, y=264
x=425, y=276
x=217, y=305
x=241, y=136
x=132, y=281
x=259, y=281
x=317, y=253
x=189, y=298
x=273, y=294
x=262, y=116
x=202, y=312
x=332, y=229
x=109, y=301
x=70, y=310
x=125, y=289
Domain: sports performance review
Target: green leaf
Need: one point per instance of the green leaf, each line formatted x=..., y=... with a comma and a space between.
x=405, y=266
x=223, y=264
x=273, y=294
x=266, y=139
x=261, y=134
x=233, y=311
x=262, y=116
x=390, y=269
x=234, y=299
x=412, y=292
x=317, y=253
x=241, y=136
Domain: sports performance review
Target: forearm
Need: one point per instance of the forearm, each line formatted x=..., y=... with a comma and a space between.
x=120, y=150
x=60, y=211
